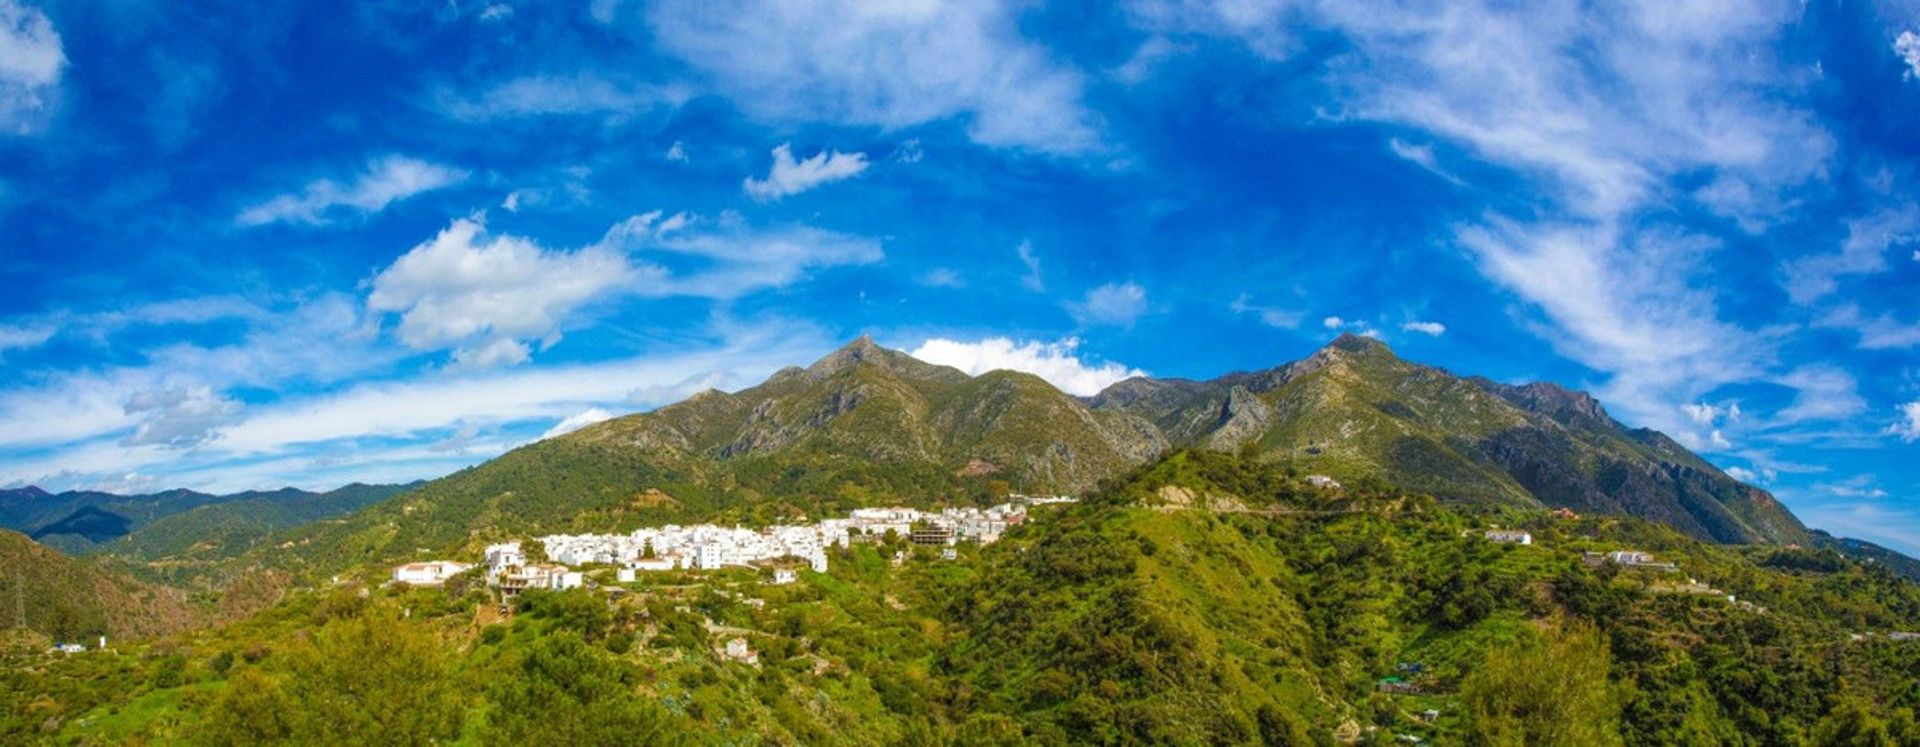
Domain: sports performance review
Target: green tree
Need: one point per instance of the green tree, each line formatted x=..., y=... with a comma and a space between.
x=564, y=691
x=1546, y=687
x=364, y=680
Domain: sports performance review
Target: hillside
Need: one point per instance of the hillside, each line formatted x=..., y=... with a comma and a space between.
x=1206, y=598
x=866, y=425
x=1354, y=410
x=218, y=531
x=75, y=599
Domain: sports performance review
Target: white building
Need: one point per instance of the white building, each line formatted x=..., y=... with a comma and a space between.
x=430, y=573
x=784, y=575
x=1509, y=536
x=625, y=575
x=1323, y=481
x=737, y=650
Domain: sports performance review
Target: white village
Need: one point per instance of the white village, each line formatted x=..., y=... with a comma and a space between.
x=708, y=547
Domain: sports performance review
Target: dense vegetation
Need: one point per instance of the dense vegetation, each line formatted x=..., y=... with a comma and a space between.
x=1206, y=598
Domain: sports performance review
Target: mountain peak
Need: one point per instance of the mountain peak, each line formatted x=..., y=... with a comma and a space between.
x=1352, y=343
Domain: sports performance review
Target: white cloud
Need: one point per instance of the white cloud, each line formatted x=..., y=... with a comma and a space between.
x=1908, y=426
x=1333, y=322
x=484, y=294
x=375, y=430
x=1864, y=252
x=1825, y=393
x=543, y=96
x=677, y=152
x=577, y=421
x=496, y=12
x=1907, y=46
x=180, y=418
x=1272, y=317
x=1743, y=474
x=18, y=337
x=1032, y=280
x=1422, y=156
x=386, y=180
x=1056, y=362
x=488, y=296
x=1623, y=304
x=1433, y=329
x=32, y=61
x=942, y=277
x=791, y=177
x=1119, y=304
x=893, y=65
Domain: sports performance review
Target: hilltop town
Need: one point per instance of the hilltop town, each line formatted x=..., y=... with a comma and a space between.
x=709, y=547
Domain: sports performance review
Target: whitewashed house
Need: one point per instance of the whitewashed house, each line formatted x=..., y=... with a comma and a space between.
x=1323, y=481
x=784, y=575
x=430, y=573
x=1509, y=536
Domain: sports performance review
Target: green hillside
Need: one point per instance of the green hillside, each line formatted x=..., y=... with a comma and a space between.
x=77, y=599
x=1204, y=599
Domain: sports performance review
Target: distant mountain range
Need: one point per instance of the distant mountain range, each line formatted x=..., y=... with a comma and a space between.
x=866, y=424
x=81, y=521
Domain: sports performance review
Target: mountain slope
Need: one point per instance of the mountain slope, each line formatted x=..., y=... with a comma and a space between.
x=1354, y=410
x=220, y=530
x=75, y=599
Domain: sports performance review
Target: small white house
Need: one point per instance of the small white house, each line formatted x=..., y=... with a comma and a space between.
x=1323, y=481
x=818, y=562
x=784, y=575
x=1630, y=557
x=1509, y=536
x=737, y=650
x=430, y=573
x=949, y=554
x=625, y=575
x=571, y=580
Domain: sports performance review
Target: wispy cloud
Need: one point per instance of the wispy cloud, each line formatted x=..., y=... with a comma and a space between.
x=1118, y=304
x=386, y=180
x=1431, y=329
x=892, y=65
x=540, y=96
x=1031, y=280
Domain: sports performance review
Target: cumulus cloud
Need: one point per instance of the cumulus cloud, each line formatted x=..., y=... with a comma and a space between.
x=1907, y=427
x=483, y=294
x=677, y=152
x=1118, y=304
x=32, y=61
x=492, y=298
x=577, y=421
x=1907, y=46
x=891, y=65
x=385, y=181
x=1433, y=329
x=791, y=177
x=1057, y=362
x=180, y=417
x=1743, y=474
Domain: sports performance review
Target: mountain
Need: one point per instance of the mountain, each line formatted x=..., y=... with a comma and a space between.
x=1354, y=410
x=1203, y=598
x=81, y=521
x=77, y=599
x=866, y=425
x=220, y=530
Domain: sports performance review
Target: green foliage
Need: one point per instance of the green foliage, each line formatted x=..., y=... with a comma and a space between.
x=564, y=691
x=369, y=679
x=1543, y=687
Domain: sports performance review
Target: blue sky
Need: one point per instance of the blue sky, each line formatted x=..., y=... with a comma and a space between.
x=308, y=244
